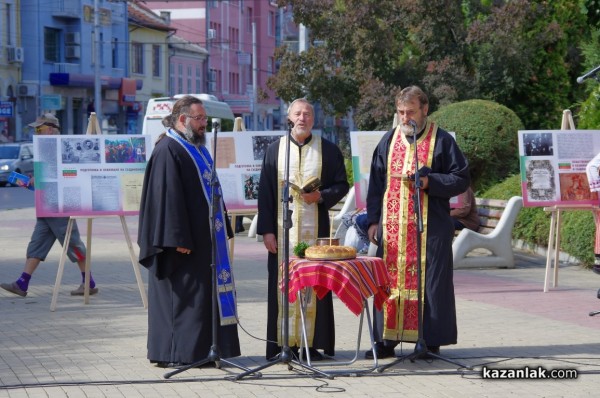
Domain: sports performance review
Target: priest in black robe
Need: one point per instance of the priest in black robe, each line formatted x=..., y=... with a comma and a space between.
x=175, y=243
x=310, y=156
x=444, y=173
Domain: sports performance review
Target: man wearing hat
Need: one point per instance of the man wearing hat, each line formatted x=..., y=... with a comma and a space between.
x=47, y=230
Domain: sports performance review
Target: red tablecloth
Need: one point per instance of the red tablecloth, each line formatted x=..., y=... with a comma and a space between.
x=352, y=281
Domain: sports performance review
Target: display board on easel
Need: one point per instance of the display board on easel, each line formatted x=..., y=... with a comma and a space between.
x=553, y=176
x=89, y=176
x=553, y=167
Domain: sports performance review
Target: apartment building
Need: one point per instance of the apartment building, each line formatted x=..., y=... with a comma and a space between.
x=240, y=37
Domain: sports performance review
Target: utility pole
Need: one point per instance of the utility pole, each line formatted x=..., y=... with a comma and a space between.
x=254, y=80
x=97, y=86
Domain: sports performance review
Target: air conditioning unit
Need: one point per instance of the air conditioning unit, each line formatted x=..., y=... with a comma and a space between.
x=15, y=55
x=212, y=34
x=27, y=90
x=212, y=87
x=73, y=51
x=72, y=38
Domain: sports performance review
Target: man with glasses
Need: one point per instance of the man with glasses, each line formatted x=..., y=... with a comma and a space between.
x=47, y=230
x=175, y=239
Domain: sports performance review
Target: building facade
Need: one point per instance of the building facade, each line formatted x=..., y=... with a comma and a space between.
x=11, y=61
x=60, y=73
x=240, y=37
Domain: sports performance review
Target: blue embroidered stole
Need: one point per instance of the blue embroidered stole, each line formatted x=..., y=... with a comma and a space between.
x=225, y=285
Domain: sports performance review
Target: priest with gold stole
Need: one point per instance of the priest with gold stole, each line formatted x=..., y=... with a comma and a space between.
x=310, y=157
x=444, y=173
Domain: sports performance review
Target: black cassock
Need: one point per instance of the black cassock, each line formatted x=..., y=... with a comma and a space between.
x=449, y=177
x=174, y=213
x=334, y=187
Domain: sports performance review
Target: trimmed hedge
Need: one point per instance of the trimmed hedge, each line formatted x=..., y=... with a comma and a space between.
x=487, y=134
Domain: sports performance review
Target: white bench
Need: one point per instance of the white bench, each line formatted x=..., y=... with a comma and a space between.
x=498, y=241
x=497, y=218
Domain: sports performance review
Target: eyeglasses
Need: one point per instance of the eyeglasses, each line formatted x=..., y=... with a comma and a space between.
x=198, y=117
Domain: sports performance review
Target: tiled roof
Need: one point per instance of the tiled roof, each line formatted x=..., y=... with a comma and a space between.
x=141, y=15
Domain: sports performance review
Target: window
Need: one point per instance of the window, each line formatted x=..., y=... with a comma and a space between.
x=249, y=19
x=271, y=24
x=156, y=60
x=234, y=83
x=172, y=79
x=180, y=78
x=8, y=22
x=137, y=58
x=234, y=34
x=270, y=63
x=101, y=49
x=198, y=80
x=115, y=52
x=51, y=45
x=189, y=79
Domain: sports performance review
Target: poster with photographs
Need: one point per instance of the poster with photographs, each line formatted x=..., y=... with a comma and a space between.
x=89, y=175
x=362, y=145
x=239, y=159
x=553, y=166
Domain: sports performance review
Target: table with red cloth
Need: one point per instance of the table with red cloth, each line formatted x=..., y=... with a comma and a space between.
x=353, y=281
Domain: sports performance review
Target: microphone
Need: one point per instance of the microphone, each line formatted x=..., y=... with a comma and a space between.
x=589, y=74
x=413, y=125
x=290, y=124
x=215, y=124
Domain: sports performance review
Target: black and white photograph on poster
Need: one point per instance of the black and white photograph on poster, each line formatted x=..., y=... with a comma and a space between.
x=251, y=185
x=260, y=144
x=80, y=150
x=125, y=150
x=540, y=180
x=538, y=144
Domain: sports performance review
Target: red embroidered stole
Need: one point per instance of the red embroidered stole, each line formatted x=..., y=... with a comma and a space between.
x=400, y=234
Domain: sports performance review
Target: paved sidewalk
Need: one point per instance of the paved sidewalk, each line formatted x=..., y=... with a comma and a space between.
x=99, y=350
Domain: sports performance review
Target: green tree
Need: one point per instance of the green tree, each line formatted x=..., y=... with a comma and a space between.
x=524, y=59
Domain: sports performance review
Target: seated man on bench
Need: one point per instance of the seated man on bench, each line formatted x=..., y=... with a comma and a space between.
x=465, y=215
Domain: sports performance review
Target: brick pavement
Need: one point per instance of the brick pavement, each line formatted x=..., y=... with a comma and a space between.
x=98, y=350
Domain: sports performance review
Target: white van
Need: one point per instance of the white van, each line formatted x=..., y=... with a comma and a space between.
x=158, y=108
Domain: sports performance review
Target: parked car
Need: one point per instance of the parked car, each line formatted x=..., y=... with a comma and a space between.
x=15, y=156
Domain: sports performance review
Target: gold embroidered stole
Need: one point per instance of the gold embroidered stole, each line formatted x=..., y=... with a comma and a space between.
x=304, y=163
x=400, y=232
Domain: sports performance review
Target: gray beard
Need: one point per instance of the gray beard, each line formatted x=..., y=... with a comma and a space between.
x=407, y=130
x=194, y=138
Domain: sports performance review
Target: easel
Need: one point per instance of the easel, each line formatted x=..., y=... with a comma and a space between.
x=234, y=215
x=94, y=128
x=554, y=236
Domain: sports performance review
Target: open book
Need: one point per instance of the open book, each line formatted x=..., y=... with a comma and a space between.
x=310, y=185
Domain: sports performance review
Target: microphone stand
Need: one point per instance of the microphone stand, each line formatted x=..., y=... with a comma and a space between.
x=215, y=199
x=420, y=346
x=285, y=356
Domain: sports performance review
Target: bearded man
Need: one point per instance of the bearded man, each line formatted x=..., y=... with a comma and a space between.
x=176, y=245
x=391, y=219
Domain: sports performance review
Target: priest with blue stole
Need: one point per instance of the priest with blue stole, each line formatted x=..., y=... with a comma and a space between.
x=175, y=236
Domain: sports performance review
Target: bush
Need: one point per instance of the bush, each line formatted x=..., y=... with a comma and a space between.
x=533, y=224
x=487, y=134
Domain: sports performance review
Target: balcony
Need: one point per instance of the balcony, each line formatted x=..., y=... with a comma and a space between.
x=68, y=9
x=67, y=68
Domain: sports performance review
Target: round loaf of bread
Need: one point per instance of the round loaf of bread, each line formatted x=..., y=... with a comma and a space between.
x=330, y=252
